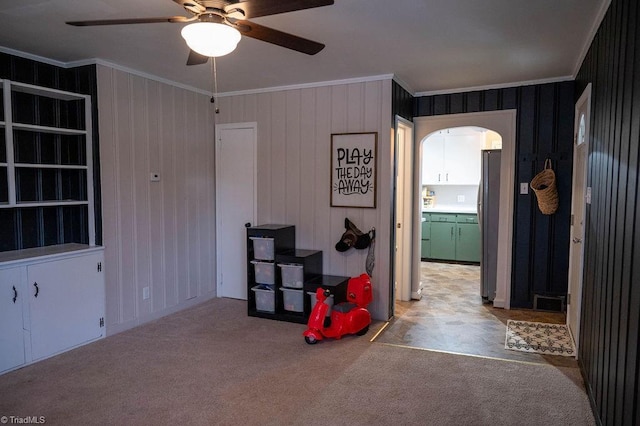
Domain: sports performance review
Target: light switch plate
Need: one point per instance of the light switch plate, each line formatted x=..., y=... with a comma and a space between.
x=524, y=188
x=461, y=198
x=588, y=196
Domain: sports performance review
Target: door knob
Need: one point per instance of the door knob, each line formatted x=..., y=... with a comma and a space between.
x=577, y=240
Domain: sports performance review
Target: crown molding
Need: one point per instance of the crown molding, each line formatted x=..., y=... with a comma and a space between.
x=495, y=86
x=308, y=85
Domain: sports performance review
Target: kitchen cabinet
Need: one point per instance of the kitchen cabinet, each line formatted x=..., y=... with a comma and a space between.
x=468, y=242
x=443, y=236
x=51, y=299
x=454, y=237
x=452, y=157
x=425, y=240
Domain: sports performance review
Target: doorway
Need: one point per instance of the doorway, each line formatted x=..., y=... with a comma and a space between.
x=460, y=178
x=504, y=123
x=578, y=210
x=236, y=204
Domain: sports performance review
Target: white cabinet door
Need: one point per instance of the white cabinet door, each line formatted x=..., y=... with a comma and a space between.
x=66, y=299
x=462, y=158
x=433, y=160
x=11, y=331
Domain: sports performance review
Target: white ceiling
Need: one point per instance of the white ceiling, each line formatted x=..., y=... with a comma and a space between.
x=429, y=45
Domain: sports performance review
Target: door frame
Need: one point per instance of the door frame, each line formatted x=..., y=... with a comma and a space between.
x=584, y=102
x=503, y=122
x=218, y=128
x=405, y=290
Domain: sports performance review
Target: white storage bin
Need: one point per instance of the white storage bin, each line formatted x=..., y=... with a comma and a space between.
x=292, y=275
x=293, y=300
x=265, y=272
x=328, y=300
x=263, y=248
x=265, y=298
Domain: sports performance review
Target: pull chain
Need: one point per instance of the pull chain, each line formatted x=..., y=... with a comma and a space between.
x=215, y=83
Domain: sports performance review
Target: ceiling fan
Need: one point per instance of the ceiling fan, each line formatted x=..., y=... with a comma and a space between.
x=229, y=16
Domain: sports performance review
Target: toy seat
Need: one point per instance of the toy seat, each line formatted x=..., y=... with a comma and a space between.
x=344, y=307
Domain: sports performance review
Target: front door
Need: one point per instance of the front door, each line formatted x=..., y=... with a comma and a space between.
x=578, y=207
x=235, y=204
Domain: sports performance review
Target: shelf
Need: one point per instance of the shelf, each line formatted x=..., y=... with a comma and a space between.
x=47, y=92
x=49, y=166
x=46, y=169
x=45, y=204
x=48, y=129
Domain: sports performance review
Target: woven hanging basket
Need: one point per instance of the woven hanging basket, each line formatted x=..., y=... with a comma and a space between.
x=544, y=186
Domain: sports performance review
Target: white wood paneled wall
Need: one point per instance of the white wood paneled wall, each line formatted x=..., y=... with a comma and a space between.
x=294, y=142
x=156, y=234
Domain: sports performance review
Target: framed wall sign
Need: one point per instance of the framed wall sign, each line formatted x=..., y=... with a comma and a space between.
x=353, y=169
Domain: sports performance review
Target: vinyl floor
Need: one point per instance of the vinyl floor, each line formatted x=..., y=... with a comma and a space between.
x=451, y=317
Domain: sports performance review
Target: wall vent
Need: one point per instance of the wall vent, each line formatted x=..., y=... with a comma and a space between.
x=549, y=303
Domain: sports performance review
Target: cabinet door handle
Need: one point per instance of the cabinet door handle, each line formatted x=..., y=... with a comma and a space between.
x=459, y=232
x=447, y=179
x=452, y=232
x=15, y=294
x=37, y=289
x=439, y=176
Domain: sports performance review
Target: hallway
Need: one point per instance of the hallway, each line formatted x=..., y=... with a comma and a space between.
x=451, y=317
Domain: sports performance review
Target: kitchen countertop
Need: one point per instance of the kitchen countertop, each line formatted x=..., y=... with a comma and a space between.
x=450, y=208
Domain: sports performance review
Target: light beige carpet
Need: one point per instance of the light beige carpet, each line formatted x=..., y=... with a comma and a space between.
x=213, y=365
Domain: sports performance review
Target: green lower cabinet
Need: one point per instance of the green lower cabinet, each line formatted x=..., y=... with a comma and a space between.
x=425, y=249
x=425, y=242
x=443, y=241
x=452, y=237
x=468, y=244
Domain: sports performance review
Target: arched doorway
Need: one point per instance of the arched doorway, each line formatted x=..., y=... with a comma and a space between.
x=504, y=123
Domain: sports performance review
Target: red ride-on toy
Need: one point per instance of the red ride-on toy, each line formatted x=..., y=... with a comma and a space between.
x=348, y=317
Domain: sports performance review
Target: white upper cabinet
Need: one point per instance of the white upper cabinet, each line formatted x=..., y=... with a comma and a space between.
x=452, y=157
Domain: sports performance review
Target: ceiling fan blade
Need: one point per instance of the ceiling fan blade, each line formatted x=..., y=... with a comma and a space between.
x=196, y=59
x=290, y=41
x=257, y=8
x=128, y=21
x=191, y=6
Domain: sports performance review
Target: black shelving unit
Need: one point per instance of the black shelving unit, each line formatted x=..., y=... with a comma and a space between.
x=284, y=237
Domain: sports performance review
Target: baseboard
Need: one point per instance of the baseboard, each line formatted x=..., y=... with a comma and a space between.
x=416, y=295
x=499, y=303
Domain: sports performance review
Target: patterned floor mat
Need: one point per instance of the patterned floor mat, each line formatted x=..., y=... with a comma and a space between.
x=538, y=337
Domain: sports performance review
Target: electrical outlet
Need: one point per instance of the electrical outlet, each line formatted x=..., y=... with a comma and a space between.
x=461, y=198
x=524, y=188
x=145, y=293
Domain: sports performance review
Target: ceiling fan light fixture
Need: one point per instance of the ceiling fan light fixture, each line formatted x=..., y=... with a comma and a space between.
x=210, y=38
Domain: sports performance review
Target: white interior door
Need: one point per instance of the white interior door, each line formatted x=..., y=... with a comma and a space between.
x=235, y=204
x=404, y=179
x=578, y=207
